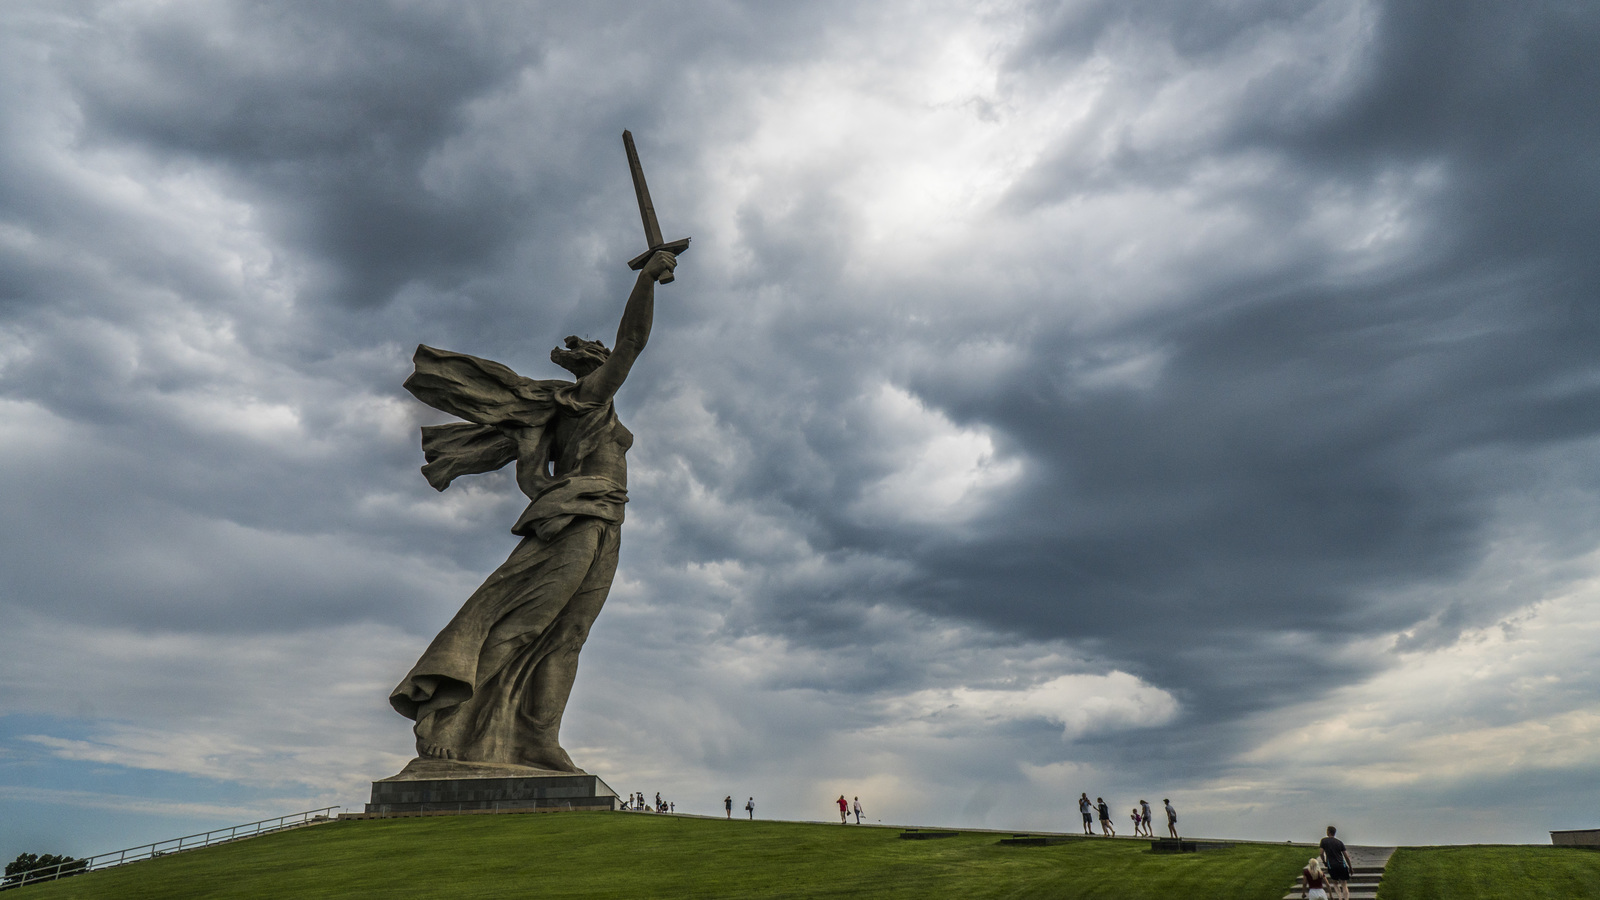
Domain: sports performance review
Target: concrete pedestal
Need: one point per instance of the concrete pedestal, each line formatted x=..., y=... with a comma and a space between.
x=438, y=785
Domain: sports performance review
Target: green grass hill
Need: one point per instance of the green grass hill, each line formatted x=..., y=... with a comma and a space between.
x=571, y=855
x=1492, y=872
x=579, y=854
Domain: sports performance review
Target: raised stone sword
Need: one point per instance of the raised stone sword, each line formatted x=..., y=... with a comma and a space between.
x=647, y=212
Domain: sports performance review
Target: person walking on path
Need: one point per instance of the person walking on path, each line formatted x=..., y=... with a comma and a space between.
x=844, y=810
x=1313, y=881
x=1337, y=860
x=750, y=807
x=1144, y=810
x=727, y=804
x=1105, y=817
x=1088, y=817
x=856, y=808
x=1172, y=818
x=1134, y=815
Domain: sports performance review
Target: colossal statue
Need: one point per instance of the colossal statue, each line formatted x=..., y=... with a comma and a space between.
x=493, y=685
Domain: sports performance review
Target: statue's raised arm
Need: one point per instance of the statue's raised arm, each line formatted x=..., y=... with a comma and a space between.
x=632, y=333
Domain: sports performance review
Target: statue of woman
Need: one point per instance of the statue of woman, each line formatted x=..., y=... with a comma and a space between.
x=493, y=685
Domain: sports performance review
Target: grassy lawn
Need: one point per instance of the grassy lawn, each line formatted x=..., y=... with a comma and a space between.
x=622, y=855
x=1491, y=873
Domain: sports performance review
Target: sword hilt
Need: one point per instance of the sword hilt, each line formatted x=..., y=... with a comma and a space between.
x=676, y=248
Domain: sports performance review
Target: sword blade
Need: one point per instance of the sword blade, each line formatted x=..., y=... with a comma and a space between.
x=647, y=210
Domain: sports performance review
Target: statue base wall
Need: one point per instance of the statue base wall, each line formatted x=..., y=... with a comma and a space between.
x=427, y=785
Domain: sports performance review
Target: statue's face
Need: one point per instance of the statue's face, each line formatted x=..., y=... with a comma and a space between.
x=576, y=362
x=580, y=357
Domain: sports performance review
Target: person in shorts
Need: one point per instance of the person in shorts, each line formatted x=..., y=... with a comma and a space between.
x=1172, y=818
x=1336, y=859
x=1313, y=881
x=1085, y=807
x=1105, y=817
x=844, y=810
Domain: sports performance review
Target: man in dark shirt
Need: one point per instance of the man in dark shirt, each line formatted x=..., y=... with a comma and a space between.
x=1337, y=859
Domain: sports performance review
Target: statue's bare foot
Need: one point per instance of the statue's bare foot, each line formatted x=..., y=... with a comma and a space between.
x=548, y=756
x=438, y=736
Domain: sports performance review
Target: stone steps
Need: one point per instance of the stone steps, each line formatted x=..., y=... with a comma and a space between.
x=1365, y=875
x=1360, y=888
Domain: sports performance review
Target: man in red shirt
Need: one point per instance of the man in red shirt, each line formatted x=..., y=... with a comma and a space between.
x=844, y=811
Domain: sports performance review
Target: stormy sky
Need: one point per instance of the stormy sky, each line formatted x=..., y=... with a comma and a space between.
x=1190, y=400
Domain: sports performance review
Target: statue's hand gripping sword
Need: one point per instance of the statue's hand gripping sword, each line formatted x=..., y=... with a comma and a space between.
x=647, y=212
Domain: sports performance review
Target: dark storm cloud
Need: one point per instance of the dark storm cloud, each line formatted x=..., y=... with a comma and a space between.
x=337, y=126
x=327, y=117
x=1316, y=440
x=341, y=122
x=1303, y=443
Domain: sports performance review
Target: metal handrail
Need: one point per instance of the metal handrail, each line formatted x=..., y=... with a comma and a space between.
x=170, y=845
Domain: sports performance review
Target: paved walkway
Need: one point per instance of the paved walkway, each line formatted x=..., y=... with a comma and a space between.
x=1366, y=873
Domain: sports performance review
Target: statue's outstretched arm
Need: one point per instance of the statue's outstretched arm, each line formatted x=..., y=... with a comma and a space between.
x=632, y=334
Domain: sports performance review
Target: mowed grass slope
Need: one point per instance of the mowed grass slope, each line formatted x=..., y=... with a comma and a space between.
x=1491, y=873
x=634, y=855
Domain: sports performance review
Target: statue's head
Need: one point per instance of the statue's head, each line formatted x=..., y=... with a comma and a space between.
x=580, y=357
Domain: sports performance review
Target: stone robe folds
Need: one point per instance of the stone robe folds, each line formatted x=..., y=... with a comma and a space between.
x=486, y=687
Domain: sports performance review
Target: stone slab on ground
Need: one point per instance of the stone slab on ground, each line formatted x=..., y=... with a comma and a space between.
x=1168, y=845
x=429, y=785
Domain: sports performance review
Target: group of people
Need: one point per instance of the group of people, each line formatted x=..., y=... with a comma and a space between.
x=1141, y=815
x=638, y=803
x=1327, y=875
x=845, y=808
